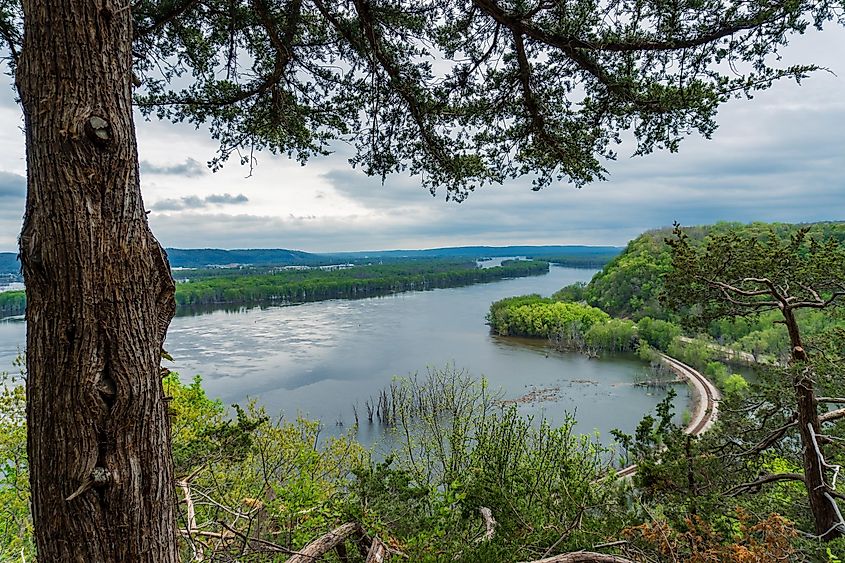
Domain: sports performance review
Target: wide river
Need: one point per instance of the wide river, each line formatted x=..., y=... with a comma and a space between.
x=318, y=359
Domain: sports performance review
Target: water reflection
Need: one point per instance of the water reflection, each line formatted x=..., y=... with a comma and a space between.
x=318, y=359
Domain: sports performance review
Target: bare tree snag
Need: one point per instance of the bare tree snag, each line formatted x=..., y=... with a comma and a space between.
x=99, y=296
x=489, y=524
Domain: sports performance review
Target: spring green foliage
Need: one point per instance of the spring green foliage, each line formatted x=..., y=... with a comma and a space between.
x=633, y=283
x=201, y=430
x=456, y=448
x=734, y=384
x=12, y=303
x=461, y=449
x=658, y=333
x=276, y=474
x=646, y=353
x=729, y=383
x=539, y=317
x=739, y=274
x=731, y=275
x=244, y=470
x=575, y=325
x=615, y=335
x=696, y=352
x=767, y=273
x=574, y=292
x=630, y=285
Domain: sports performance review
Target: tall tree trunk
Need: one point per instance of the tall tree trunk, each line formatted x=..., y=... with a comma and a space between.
x=824, y=514
x=99, y=296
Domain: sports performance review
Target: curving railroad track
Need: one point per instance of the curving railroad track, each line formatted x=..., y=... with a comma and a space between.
x=706, y=403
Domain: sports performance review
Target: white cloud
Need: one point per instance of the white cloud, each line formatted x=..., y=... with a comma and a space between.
x=190, y=168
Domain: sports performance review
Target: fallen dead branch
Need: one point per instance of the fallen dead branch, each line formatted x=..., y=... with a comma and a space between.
x=322, y=545
x=378, y=551
x=583, y=557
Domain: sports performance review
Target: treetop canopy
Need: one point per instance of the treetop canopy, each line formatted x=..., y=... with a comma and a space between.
x=461, y=93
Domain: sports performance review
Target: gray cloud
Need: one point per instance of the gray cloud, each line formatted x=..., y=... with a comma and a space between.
x=12, y=187
x=225, y=199
x=780, y=160
x=190, y=168
x=196, y=202
x=12, y=202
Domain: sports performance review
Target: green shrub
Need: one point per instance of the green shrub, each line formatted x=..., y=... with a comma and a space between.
x=734, y=384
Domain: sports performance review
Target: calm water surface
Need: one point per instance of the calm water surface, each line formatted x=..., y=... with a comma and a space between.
x=318, y=359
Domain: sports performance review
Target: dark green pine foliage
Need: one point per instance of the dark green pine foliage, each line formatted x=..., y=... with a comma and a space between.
x=462, y=94
x=780, y=431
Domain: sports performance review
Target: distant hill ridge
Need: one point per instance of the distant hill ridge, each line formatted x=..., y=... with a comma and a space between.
x=10, y=268
x=201, y=257
x=490, y=251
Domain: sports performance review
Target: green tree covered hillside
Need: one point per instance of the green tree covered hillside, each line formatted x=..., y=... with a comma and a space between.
x=630, y=285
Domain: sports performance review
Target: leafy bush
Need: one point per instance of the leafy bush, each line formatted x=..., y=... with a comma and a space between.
x=734, y=384
x=693, y=351
x=461, y=449
x=575, y=292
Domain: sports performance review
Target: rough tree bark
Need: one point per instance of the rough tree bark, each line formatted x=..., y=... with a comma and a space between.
x=824, y=512
x=99, y=296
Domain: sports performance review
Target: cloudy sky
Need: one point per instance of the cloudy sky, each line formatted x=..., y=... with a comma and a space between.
x=778, y=157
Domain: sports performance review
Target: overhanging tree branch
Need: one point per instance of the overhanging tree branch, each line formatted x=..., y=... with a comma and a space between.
x=765, y=479
x=174, y=12
x=536, y=118
x=415, y=106
x=522, y=24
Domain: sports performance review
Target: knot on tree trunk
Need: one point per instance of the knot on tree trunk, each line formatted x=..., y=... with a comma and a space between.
x=99, y=131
